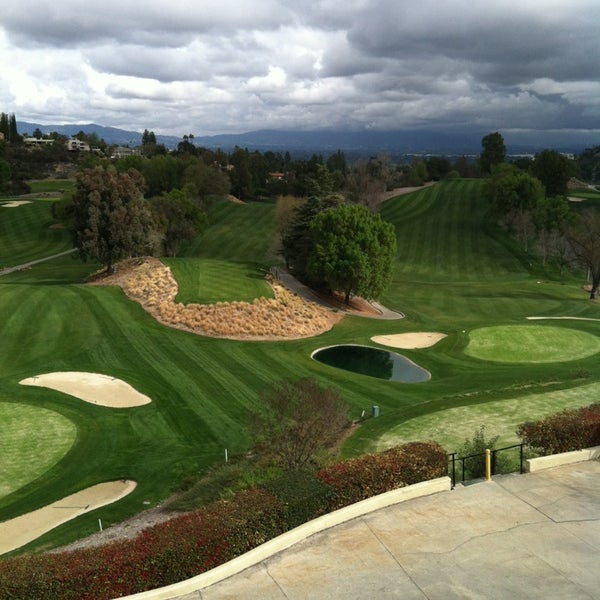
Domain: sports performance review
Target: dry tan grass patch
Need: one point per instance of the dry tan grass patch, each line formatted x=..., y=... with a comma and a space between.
x=287, y=316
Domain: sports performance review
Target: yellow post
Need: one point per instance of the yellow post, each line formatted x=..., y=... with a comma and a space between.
x=488, y=464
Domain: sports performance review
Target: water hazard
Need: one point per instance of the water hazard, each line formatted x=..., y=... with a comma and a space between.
x=374, y=362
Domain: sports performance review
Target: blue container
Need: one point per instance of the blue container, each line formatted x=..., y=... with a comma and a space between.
x=375, y=410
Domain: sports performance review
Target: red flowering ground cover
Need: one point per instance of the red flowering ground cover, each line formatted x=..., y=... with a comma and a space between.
x=190, y=544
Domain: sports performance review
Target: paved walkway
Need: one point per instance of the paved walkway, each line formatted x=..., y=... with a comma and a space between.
x=8, y=270
x=518, y=536
x=290, y=282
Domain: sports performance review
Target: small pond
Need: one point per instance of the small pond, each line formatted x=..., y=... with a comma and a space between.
x=374, y=362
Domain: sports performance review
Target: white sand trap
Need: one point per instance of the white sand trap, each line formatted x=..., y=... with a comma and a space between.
x=21, y=530
x=15, y=203
x=562, y=318
x=410, y=341
x=102, y=390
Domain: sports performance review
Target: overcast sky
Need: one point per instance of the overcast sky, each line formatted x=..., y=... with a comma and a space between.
x=205, y=67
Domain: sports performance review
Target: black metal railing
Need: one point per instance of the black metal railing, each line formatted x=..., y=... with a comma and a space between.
x=473, y=466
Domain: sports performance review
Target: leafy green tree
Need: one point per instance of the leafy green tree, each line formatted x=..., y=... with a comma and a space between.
x=112, y=220
x=584, y=238
x=416, y=174
x=514, y=196
x=178, y=219
x=298, y=421
x=296, y=237
x=589, y=164
x=203, y=183
x=493, y=152
x=554, y=170
x=550, y=216
x=352, y=252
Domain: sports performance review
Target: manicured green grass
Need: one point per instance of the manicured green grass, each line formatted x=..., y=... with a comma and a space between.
x=206, y=281
x=452, y=426
x=455, y=273
x=28, y=232
x=51, y=185
x=32, y=440
x=587, y=195
x=531, y=343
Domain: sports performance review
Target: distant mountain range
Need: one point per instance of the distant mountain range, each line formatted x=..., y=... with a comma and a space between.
x=354, y=143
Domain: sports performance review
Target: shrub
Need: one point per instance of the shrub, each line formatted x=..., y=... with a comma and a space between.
x=359, y=478
x=166, y=553
x=474, y=449
x=563, y=432
x=190, y=544
x=303, y=495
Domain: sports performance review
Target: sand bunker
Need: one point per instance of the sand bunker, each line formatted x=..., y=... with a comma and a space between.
x=15, y=203
x=102, y=390
x=564, y=318
x=28, y=527
x=410, y=341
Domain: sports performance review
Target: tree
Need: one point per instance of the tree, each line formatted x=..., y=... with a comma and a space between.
x=554, y=170
x=298, y=421
x=584, y=238
x=203, y=183
x=178, y=219
x=296, y=237
x=493, y=153
x=111, y=218
x=352, y=251
x=549, y=216
x=514, y=196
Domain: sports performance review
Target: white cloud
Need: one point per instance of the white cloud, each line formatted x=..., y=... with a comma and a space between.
x=234, y=66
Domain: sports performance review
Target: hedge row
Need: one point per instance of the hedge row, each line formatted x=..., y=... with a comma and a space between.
x=360, y=478
x=563, y=432
x=193, y=543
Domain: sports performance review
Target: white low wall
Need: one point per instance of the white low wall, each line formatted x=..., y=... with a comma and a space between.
x=555, y=460
x=285, y=540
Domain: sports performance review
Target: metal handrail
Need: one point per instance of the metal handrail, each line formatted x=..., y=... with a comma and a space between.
x=452, y=458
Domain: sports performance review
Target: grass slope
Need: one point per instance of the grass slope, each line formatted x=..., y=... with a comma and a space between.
x=454, y=272
x=28, y=232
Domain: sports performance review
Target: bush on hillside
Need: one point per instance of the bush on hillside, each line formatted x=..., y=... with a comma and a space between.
x=360, y=478
x=563, y=432
x=196, y=542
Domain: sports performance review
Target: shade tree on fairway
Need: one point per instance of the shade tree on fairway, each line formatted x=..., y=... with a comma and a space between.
x=298, y=421
x=111, y=218
x=352, y=251
x=493, y=152
x=584, y=238
x=554, y=170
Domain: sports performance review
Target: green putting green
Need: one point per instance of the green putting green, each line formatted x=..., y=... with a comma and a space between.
x=32, y=440
x=531, y=343
x=450, y=427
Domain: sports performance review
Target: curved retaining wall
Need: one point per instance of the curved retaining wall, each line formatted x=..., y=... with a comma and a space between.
x=555, y=460
x=289, y=538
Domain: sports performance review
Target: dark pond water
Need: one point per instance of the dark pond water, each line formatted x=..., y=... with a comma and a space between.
x=372, y=361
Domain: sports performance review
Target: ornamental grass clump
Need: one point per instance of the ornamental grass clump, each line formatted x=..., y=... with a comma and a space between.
x=152, y=284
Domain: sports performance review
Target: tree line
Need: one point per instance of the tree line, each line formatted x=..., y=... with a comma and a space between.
x=530, y=200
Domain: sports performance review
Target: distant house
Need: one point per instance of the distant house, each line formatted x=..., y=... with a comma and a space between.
x=123, y=151
x=33, y=141
x=75, y=145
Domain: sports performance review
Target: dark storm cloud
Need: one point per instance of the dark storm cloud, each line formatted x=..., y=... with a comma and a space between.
x=235, y=65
